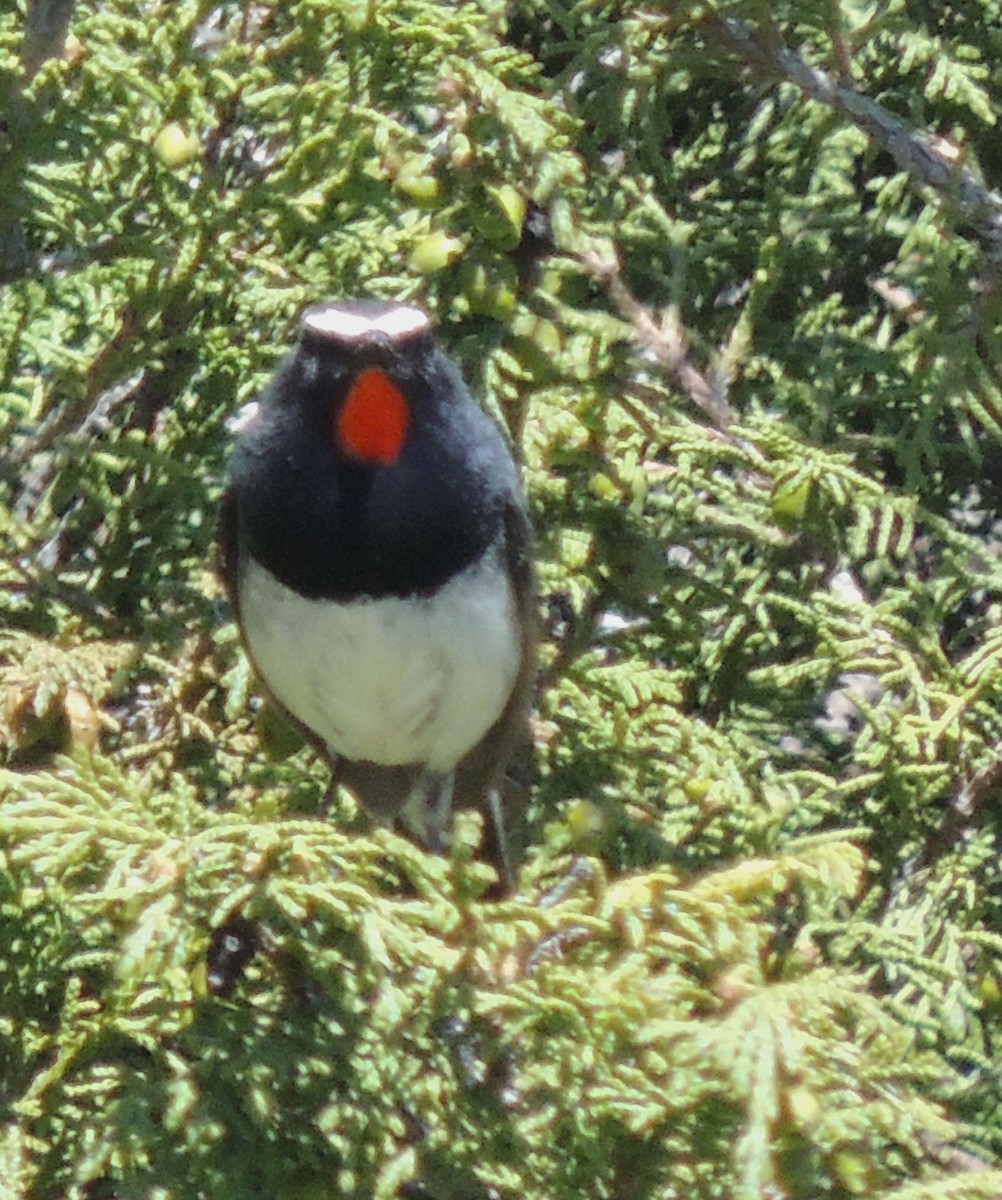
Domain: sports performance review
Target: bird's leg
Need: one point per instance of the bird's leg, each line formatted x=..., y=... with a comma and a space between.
x=327, y=803
x=496, y=814
x=427, y=809
x=439, y=807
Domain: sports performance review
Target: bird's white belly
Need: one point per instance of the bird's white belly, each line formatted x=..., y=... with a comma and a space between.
x=391, y=681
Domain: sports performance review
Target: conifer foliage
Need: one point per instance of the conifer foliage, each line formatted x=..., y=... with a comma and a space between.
x=730, y=272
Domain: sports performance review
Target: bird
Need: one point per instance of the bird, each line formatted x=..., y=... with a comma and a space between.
x=376, y=546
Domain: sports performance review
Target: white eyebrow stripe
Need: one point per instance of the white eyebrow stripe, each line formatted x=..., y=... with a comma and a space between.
x=343, y=325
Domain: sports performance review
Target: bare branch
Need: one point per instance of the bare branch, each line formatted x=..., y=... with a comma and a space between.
x=665, y=341
x=917, y=153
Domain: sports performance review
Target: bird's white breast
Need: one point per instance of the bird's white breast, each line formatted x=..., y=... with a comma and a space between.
x=391, y=681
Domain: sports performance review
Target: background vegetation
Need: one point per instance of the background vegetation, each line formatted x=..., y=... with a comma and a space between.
x=731, y=273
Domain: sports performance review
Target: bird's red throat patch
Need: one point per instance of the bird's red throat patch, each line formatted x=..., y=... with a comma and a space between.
x=372, y=422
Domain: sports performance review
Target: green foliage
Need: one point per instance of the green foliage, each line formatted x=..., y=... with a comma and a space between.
x=730, y=274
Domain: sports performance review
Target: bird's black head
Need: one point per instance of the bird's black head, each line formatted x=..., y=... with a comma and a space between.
x=368, y=468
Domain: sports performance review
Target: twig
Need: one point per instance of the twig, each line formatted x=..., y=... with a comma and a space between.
x=916, y=153
x=952, y=1157
x=666, y=341
x=966, y=805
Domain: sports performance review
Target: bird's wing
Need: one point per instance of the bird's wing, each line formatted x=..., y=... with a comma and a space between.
x=227, y=535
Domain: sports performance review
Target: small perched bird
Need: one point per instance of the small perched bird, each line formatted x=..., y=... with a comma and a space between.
x=377, y=550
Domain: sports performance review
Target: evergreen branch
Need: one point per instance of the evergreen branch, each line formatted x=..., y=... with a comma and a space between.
x=916, y=153
x=773, y=643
